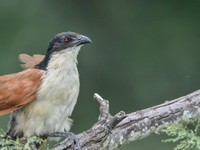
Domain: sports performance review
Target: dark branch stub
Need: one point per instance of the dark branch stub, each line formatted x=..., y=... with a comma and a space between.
x=117, y=119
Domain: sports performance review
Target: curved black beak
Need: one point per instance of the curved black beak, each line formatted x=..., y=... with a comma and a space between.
x=82, y=39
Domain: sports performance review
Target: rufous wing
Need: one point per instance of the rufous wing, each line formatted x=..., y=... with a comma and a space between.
x=18, y=89
x=30, y=61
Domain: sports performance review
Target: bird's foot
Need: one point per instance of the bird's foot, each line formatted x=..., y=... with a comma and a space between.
x=69, y=135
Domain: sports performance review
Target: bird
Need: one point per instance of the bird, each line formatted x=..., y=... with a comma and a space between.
x=41, y=98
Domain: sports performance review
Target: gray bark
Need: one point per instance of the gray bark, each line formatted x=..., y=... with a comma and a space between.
x=110, y=132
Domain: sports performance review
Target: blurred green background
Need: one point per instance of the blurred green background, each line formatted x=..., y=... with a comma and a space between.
x=143, y=52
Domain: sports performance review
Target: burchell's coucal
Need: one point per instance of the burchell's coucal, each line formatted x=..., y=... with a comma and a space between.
x=41, y=98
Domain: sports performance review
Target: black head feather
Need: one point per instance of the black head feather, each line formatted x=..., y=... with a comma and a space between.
x=62, y=41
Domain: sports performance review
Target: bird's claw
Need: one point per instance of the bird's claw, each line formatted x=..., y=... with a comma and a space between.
x=69, y=135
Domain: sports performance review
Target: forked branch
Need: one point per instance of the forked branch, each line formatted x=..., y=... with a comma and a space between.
x=110, y=132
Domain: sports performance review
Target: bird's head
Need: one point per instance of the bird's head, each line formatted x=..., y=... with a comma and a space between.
x=67, y=41
x=61, y=43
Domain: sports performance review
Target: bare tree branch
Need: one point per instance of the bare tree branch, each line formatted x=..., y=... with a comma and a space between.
x=110, y=132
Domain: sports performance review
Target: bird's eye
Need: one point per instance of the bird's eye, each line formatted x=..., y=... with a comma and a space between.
x=66, y=40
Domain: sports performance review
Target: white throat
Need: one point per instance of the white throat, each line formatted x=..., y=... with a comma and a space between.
x=65, y=57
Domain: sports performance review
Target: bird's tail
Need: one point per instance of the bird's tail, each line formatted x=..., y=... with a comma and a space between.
x=30, y=61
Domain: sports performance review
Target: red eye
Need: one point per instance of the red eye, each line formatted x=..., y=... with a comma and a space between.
x=66, y=40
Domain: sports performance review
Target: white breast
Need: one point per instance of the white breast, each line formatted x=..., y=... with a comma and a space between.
x=56, y=98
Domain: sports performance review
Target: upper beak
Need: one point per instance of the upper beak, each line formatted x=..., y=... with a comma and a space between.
x=82, y=39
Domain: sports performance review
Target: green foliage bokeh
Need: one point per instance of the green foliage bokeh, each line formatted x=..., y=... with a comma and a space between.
x=143, y=52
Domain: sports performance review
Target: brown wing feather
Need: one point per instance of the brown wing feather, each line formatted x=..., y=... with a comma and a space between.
x=16, y=90
x=30, y=61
